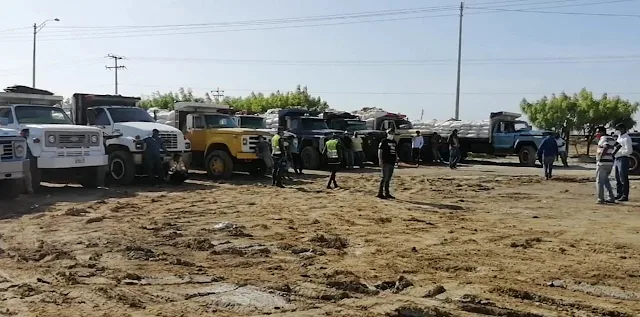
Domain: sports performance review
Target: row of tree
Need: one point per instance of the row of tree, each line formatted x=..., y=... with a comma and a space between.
x=299, y=98
x=579, y=112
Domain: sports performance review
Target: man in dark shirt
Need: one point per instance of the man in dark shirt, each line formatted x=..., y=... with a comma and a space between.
x=153, y=155
x=388, y=156
x=454, y=149
x=547, y=155
x=347, y=150
x=435, y=147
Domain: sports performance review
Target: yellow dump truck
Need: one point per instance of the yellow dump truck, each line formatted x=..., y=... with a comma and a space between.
x=218, y=145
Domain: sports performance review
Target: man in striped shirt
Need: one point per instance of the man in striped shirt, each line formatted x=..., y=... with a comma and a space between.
x=604, y=165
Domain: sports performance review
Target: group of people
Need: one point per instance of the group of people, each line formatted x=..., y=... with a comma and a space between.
x=613, y=154
x=453, y=142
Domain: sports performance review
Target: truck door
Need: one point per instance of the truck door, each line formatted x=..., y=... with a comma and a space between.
x=196, y=132
x=503, y=136
x=6, y=118
x=99, y=117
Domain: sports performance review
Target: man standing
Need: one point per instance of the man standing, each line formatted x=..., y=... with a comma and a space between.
x=416, y=147
x=279, y=161
x=296, y=159
x=547, y=155
x=332, y=150
x=356, y=145
x=454, y=149
x=604, y=165
x=153, y=155
x=388, y=156
x=347, y=150
x=624, y=150
x=262, y=151
x=435, y=147
x=562, y=150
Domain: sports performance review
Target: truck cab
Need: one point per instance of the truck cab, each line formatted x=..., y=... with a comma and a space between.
x=351, y=123
x=508, y=136
x=57, y=149
x=125, y=126
x=250, y=120
x=311, y=131
x=13, y=162
x=403, y=128
x=219, y=145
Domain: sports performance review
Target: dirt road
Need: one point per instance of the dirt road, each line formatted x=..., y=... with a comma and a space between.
x=484, y=240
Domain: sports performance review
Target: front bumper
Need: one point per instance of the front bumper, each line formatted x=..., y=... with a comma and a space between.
x=13, y=169
x=138, y=157
x=72, y=161
x=247, y=156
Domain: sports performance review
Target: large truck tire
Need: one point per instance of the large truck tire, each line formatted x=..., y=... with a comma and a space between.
x=93, y=177
x=11, y=188
x=36, y=173
x=310, y=158
x=219, y=165
x=122, y=170
x=527, y=155
x=634, y=163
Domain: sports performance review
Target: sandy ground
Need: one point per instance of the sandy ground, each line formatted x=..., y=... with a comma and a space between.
x=484, y=240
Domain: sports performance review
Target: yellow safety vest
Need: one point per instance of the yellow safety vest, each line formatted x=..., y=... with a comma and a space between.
x=332, y=149
x=275, y=144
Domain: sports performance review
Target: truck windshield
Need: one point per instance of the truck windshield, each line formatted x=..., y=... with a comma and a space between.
x=41, y=115
x=314, y=124
x=356, y=125
x=253, y=122
x=521, y=126
x=214, y=121
x=129, y=114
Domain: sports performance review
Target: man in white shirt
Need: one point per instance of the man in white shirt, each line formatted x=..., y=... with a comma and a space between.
x=416, y=146
x=604, y=165
x=624, y=149
x=562, y=150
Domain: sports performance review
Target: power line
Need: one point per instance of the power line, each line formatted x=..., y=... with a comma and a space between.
x=562, y=13
x=115, y=67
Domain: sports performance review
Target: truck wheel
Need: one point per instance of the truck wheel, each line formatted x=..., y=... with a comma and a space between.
x=527, y=156
x=36, y=174
x=405, y=152
x=634, y=164
x=122, y=170
x=310, y=158
x=93, y=177
x=219, y=165
x=11, y=188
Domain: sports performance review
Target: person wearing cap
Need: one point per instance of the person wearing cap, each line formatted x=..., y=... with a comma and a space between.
x=624, y=150
x=332, y=150
x=604, y=165
x=154, y=147
x=388, y=157
x=278, y=153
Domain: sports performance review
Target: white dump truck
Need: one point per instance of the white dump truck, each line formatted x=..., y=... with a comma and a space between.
x=57, y=149
x=13, y=152
x=125, y=126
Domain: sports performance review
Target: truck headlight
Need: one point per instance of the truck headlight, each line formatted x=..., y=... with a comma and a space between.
x=187, y=145
x=19, y=149
x=52, y=139
x=245, y=141
x=94, y=139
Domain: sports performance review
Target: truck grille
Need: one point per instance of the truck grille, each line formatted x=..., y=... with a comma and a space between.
x=170, y=140
x=69, y=139
x=6, y=150
x=253, y=142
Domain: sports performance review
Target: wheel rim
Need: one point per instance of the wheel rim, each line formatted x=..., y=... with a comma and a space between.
x=525, y=156
x=633, y=163
x=117, y=169
x=217, y=166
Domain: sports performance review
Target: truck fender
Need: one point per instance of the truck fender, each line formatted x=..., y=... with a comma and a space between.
x=520, y=143
x=216, y=147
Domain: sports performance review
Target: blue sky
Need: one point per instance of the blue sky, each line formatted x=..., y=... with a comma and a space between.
x=68, y=62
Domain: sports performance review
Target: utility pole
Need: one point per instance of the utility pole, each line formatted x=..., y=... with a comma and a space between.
x=115, y=67
x=218, y=94
x=36, y=29
x=459, y=62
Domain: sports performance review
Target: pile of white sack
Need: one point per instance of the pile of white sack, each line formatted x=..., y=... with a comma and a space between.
x=466, y=129
x=162, y=115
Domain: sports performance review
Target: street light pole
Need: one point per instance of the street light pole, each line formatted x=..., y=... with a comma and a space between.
x=36, y=29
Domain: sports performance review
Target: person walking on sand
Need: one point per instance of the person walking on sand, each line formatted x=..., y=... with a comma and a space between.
x=624, y=150
x=547, y=155
x=279, y=161
x=356, y=145
x=296, y=159
x=562, y=150
x=388, y=156
x=435, y=147
x=416, y=146
x=454, y=149
x=604, y=165
x=332, y=150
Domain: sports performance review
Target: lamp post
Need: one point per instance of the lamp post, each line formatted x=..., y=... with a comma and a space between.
x=36, y=29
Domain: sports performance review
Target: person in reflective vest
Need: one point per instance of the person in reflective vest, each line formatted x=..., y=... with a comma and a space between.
x=278, y=153
x=332, y=151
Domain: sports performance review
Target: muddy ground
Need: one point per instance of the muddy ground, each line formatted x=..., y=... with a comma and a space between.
x=484, y=240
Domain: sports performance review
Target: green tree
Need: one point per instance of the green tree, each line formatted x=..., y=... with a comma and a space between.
x=580, y=112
